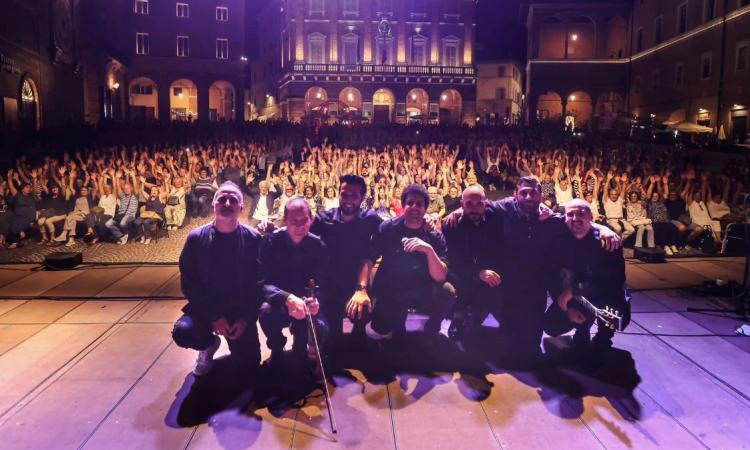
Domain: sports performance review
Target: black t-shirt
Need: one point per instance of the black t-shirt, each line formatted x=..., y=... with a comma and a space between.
x=398, y=269
x=451, y=203
x=58, y=204
x=675, y=208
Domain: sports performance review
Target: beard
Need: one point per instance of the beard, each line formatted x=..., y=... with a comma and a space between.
x=528, y=207
x=349, y=208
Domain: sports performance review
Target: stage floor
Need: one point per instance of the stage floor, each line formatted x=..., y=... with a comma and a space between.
x=83, y=364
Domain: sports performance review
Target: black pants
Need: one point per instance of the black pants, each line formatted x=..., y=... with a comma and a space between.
x=275, y=317
x=335, y=310
x=392, y=308
x=196, y=333
x=521, y=316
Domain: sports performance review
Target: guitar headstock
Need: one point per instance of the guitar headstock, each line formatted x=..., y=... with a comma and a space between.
x=611, y=318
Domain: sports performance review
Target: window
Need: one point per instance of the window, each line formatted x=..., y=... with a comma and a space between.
x=709, y=10
x=183, y=46
x=500, y=93
x=742, y=55
x=639, y=40
x=706, y=66
x=384, y=7
x=316, y=7
x=222, y=49
x=384, y=50
x=141, y=7
x=657, y=30
x=350, y=48
x=141, y=44
x=679, y=74
x=418, y=8
x=418, y=50
x=142, y=89
x=450, y=51
x=183, y=10
x=350, y=7
x=501, y=71
x=222, y=14
x=655, y=79
x=316, y=45
x=682, y=18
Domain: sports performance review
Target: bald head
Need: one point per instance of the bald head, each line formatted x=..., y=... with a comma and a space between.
x=578, y=217
x=474, y=203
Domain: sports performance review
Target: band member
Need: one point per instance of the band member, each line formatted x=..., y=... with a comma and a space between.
x=289, y=258
x=524, y=239
x=473, y=264
x=219, y=275
x=347, y=232
x=587, y=273
x=413, y=269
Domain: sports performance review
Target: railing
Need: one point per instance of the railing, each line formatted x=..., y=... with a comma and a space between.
x=383, y=69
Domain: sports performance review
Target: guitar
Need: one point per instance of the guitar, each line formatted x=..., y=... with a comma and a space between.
x=607, y=316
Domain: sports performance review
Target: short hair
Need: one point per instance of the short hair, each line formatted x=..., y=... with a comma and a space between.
x=297, y=202
x=228, y=186
x=530, y=182
x=354, y=180
x=415, y=189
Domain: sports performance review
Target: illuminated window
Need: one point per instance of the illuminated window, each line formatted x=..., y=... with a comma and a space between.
x=450, y=51
x=316, y=46
x=350, y=46
x=141, y=7
x=418, y=50
x=142, y=46
x=183, y=10
x=222, y=14
x=222, y=49
x=183, y=46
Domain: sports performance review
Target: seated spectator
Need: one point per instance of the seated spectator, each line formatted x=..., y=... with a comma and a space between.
x=151, y=216
x=613, y=210
x=638, y=217
x=176, y=207
x=127, y=208
x=699, y=211
x=53, y=208
x=666, y=232
x=436, y=208
x=80, y=214
x=24, y=208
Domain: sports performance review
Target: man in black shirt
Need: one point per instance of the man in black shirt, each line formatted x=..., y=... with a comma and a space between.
x=473, y=262
x=219, y=275
x=289, y=258
x=413, y=268
x=347, y=232
x=53, y=209
x=585, y=270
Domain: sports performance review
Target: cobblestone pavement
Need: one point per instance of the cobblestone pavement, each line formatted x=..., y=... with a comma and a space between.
x=165, y=250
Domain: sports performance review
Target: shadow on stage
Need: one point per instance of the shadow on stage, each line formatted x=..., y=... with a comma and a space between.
x=416, y=365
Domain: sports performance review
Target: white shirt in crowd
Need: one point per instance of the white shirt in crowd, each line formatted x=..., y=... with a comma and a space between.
x=563, y=196
x=109, y=203
x=613, y=210
x=261, y=209
x=718, y=210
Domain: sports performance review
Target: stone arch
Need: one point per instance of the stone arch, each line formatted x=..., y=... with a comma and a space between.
x=549, y=106
x=384, y=104
x=314, y=97
x=450, y=106
x=352, y=98
x=29, y=105
x=579, y=106
x=221, y=103
x=417, y=103
x=183, y=100
x=143, y=99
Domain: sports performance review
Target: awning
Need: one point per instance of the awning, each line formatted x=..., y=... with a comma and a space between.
x=677, y=116
x=689, y=127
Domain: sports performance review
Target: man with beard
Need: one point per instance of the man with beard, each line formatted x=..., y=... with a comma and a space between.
x=347, y=232
x=413, y=269
x=219, y=276
x=588, y=273
x=473, y=265
x=522, y=244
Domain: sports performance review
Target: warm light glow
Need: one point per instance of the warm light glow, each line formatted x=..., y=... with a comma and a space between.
x=116, y=86
x=702, y=110
x=350, y=97
x=445, y=97
x=179, y=95
x=652, y=115
x=738, y=106
x=413, y=96
x=318, y=95
x=574, y=37
x=573, y=97
x=418, y=29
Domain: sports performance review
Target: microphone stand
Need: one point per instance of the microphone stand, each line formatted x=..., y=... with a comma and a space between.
x=314, y=338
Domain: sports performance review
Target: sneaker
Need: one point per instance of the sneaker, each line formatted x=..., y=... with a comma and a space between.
x=674, y=249
x=71, y=242
x=147, y=241
x=668, y=250
x=123, y=240
x=205, y=361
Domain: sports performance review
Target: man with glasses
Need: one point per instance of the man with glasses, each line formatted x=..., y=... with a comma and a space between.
x=219, y=275
x=586, y=273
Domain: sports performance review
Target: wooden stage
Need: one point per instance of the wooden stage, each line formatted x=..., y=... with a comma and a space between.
x=85, y=363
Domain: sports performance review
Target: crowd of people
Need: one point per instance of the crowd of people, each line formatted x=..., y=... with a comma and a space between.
x=130, y=193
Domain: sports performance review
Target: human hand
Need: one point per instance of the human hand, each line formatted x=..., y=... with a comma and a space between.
x=220, y=326
x=490, y=277
x=295, y=307
x=359, y=302
x=415, y=245
x=313, y=305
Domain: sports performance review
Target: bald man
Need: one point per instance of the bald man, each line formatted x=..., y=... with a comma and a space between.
x=585, y=269
x=219, y=278
x=473, y=264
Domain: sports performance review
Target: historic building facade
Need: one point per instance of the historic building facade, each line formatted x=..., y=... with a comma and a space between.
x=499, y=92
x=380, y=61
x=166, y=61
x=40, y=65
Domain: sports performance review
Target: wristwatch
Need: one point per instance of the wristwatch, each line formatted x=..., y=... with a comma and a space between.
x=361, y=287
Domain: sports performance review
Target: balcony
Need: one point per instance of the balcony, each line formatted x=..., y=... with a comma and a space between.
x=376, y=69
